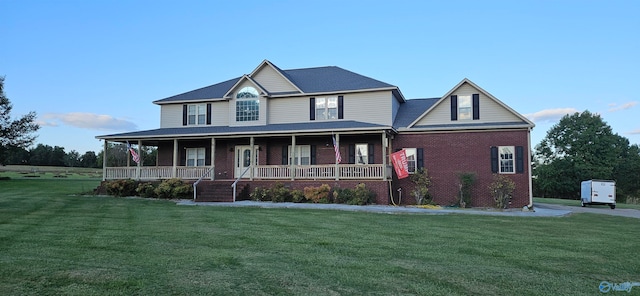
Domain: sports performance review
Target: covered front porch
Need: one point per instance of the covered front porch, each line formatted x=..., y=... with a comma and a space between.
x=312, y=156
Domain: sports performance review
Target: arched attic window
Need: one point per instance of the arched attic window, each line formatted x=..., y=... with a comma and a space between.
x=247, y=104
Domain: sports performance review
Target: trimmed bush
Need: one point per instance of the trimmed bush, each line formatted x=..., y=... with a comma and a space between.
x=173, y=189
x=146, y=190
x=318, y=194
x=502, y=190
x=362, y=195
x=124, y=187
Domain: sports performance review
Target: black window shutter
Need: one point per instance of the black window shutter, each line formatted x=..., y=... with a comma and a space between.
x=209, y=113
x=494, y=159
x=313, y=154
x=476, y=106
x=285, y=156
x=352, y=153
x=184, y=114
x=519, y=159
x=419, y=158
x=371, y=159
x=340, y=107
x=454, y=107
x=312, y=109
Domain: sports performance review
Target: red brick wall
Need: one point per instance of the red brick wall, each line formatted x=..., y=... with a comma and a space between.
x=447, y=154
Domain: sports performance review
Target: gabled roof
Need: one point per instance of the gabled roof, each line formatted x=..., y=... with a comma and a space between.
x=525, y=120
x=317, y=80
x=263, y=91
x=412, y=109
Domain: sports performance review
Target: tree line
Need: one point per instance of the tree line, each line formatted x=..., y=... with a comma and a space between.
x=45, y=155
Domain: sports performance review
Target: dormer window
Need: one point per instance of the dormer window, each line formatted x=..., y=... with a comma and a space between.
x=247, y=104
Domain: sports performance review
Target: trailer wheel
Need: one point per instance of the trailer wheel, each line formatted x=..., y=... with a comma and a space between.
x=613, y=206
x=582, y=203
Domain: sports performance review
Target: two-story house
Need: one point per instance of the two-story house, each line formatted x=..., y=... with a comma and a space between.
x=327, y=125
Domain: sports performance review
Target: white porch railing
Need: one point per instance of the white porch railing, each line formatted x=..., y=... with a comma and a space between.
x=308, y=172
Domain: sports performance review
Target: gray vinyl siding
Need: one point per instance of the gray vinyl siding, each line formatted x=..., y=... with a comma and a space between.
x=288, y=110
x=371, y=107
x=395, y=106
x=170, y=115
x=219, y=113
x=490, y=110
x=272, y=81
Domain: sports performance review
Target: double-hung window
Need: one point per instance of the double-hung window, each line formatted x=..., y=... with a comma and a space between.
x=362, y=154
x=506, y=159
x=302, y=155
x=326, y=108
x=196, y=114
x=247, y=104
x=412, y=159
x=464, y=107
x=195, y=156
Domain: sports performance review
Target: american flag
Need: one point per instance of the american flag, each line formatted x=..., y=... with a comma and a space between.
x=133, y=152
x=336, y=148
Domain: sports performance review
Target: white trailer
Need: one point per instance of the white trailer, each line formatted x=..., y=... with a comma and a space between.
x=598, y=192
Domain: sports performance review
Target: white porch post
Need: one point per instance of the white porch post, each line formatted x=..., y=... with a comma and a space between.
x=104, y=160
x=252, y=161
x=212, y=175
x=292, y=170
x=337, y=169
x=385, y=143
x=175, y=158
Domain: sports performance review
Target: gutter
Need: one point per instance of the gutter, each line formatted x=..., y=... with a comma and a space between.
x=530, y=205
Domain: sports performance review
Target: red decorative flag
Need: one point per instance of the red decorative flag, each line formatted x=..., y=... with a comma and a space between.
x=336, y=149
x=133, y=152
x=400, y=164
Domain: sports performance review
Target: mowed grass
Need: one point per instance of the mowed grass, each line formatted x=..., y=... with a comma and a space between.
x=576, y=203
x=55, y=243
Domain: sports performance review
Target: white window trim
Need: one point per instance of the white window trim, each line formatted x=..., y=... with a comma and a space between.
x=325, y=110
x=256, y=99
x=468, y=115
x=364, y=157
x=199, y=110
x=412, y=152
x=302, y=151
x=200, y=154
x=512, y=149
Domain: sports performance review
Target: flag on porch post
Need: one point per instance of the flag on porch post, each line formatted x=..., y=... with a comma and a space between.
x=133, y=152
x=336, y=149
x=400, y=164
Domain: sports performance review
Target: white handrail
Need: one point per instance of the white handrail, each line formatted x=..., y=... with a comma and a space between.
x=236, y=182
x=195, y=184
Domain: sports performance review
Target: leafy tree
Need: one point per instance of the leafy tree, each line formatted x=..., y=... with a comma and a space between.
x=72, y=159
x=17, y=155
x=14, y=132
x=580, y=147
x=89, y=160
x=626, y=173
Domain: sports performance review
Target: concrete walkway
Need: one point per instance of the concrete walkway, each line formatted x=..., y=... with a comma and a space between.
x=539, y=212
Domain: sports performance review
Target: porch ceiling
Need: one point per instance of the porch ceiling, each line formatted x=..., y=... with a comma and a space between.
x=228, y=131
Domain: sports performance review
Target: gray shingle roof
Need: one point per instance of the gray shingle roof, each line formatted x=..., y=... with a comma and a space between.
x=411, y=110
x=261, y=129
x=309, y=80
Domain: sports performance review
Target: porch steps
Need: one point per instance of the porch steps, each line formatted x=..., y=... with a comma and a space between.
x=219, y=191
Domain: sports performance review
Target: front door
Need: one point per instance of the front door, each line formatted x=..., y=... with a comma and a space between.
x=243, y=160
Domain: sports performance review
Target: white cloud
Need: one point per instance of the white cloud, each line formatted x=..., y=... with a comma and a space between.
x=635, y=132
x=615, y=107
x=86, y=120
x=550, y=115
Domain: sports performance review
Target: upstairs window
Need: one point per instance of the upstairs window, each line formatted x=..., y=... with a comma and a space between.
x=326, y=108
x=247, y=104
x=196, y=114
x=464, y=107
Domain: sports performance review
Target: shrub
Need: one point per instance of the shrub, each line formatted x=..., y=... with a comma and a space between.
x=173, y=188
x=422, y=181
x=318, y=194
x=146, y=190
x=362, y=195
x=502, y=190
x=297, y=196
x=342, y=195
x=124, y=187
x=260, y=194
x=279, y=193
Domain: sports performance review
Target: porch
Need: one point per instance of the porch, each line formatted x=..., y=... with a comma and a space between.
x=257, y=172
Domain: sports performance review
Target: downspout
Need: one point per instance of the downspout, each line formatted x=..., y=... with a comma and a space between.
x=530, y=205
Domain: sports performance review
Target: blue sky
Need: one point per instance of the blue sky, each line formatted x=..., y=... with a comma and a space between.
x=93, y=67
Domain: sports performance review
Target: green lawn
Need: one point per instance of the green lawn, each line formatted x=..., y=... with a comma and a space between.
x=56, y=243
x=576, y=203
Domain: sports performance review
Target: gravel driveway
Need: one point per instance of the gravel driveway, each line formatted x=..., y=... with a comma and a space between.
x=605, y=210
